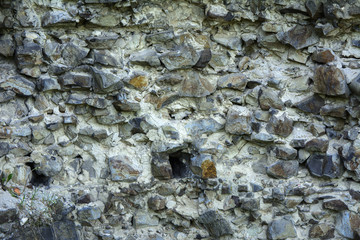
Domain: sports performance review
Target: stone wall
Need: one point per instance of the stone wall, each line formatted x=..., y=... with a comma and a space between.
x=197, y=119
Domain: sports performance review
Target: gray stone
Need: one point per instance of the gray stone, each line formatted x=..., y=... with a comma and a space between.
x=160, y=166
x=355, y=85
x=79, y=80
x=321, y=165
x=53, y=126
x=299, y=36
x=285, y=153
x=88, y=213
x=76, y=99
x=216, y=11
x=101, y=42
x=145, y=57
x=19, y=85
x=196, y=163
x=127, y=105
x=232, y=42
x=311, y=104
x=106, y=81
x=38, y=133
x=7, y=46
x=334, y=111
x=160, y=37
x=317, y=145
x=122, y=168
x=201, y=126
x=111, y=119
x=143, y=219
x=205, y=57
x=283, y=169
x=47, y=84
x=74, y=54
x=8, y=208
x=182, y=57
x=283, y=228
x=281, y=125
x=98, y=135
x=97, y=102
x=313, y=8
x=28, y=55
x=56, y=17
x=262, y=137
x=196, y=85
x=48, y=165
x=157, y=203
x=72, y=119
x=6, y=96
x=215, y=224
x=106, y=58
x=235, y=81
x=269, y=98
x=102, y=1
x=238, y=121
x=330, y=80
x=52, y=50
x=348, y=224
x=4, y=148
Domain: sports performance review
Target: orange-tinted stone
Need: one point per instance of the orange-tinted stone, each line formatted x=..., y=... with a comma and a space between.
x=208, y=169
x=139, y=82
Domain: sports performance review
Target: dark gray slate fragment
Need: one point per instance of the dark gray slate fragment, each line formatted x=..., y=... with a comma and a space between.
x=105, y=58
x=6, y=96
x=145, y=57
x=195, y=85
x=160, y=166
x=322, y=231
x=73, y=54
x=56, y=17
x=334, y=111
x=285, y=153
x=101, y=42
x=335, y=204
x=182, y=57
x=19, y=85
x=269, y=98
x=348, y=224
x=28, y=55
x=205, y=57
x=106, y=81
x=281, y=229
x=215, y=224
x=317, y=145
x=311, y=104
x=283, y=169
x=201, y=126
x=235, y=81
x=7, y=46
x=321, y=165
x=47, y=84
x=157, y=203
x=299, y=36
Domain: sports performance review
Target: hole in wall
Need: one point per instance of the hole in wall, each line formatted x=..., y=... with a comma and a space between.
x=179, y=162
x=37, y=179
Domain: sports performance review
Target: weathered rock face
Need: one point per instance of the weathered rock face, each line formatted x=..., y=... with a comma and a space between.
x=179, y=119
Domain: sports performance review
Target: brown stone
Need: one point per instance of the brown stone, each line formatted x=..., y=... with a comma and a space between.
x=283, y=169
x=335, y=204
x=139, y=82
x=299, y=36
x=5, y=132
x=157, y=203
x=333, y=111
x=323, y=231
x=330, y=80
x=281, y=126
x=323, y=56
x=208, y=169
x=311, y=104
x=317, y=145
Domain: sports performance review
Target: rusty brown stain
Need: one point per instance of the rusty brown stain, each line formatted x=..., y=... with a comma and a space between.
x=139, y=82
x=208, y=169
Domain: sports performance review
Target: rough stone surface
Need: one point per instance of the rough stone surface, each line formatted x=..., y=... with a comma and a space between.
x=330, y=80
x=281, y=229
x=179, y=119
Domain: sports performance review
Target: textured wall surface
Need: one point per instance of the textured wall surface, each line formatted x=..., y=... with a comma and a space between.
x=198, y=119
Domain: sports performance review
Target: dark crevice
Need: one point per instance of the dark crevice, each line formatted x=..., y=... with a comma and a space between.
x=37, y=178
x=179, y=162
